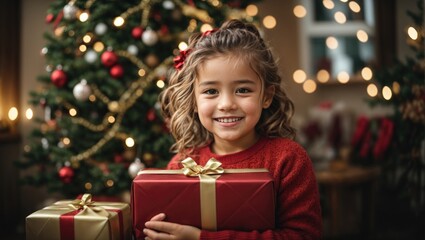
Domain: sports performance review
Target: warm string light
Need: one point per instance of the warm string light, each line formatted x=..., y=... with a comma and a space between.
x=251, y=10
x=269, y=22
x=300, y=11
x=13, y=114
x=412, y=33
x=323, y=76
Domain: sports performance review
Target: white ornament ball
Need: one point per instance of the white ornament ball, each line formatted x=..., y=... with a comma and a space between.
x=44, y=51
x=168, y=5
x=45, y=143
x=70, y=11
x=135, y=167
x=149, y=37
x=157, y=106
x=90, y=56
x=101, y=28
x=49, y=68
x=133, y=50
x=82, y=91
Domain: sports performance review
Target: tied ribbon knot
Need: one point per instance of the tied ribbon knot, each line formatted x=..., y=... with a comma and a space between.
x=212, y=167
x=86, y=204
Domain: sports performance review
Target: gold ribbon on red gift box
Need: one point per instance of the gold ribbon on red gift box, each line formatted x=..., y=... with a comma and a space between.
x=61, y=220
x=208, y=175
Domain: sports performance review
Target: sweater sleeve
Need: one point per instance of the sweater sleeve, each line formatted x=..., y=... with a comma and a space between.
x=298, y=207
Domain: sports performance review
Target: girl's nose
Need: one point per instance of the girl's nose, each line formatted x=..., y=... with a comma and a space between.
x=226, y=102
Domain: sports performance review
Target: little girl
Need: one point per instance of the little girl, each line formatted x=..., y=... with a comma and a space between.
x=226, y=101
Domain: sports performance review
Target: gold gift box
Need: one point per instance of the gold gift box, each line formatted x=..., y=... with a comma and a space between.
x=80, y=219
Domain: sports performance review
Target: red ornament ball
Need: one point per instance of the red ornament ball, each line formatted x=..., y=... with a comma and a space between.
x=59, y=78
x=116, y=71
x=164, y=30
x=109, y=58
x=137, y=32
x=150, y=115
x=118, y=158
x=49, y=18
x=66, y=174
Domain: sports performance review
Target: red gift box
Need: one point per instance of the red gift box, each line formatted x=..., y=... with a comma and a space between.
x=237, y=199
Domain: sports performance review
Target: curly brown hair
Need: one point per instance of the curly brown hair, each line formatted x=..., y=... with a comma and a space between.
x=237, y=39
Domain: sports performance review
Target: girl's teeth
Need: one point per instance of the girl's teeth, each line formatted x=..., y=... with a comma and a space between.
x=228, y=120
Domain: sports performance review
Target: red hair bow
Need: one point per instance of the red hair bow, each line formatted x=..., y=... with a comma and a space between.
x=208, y=32
x=179, y=60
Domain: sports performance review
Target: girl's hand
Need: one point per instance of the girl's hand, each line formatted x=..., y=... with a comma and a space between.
x=158, y=229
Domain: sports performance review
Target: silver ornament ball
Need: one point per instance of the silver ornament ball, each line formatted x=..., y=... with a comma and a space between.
x=101, y=28
x=133, y=50
x=149, y=37
x=70, y=11
x=135, y=167
x=90, y=56
x=82, y=91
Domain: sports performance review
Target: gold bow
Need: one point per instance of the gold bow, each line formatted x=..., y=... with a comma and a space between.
x=212, y=167
x=87, y=206
x=83, y=203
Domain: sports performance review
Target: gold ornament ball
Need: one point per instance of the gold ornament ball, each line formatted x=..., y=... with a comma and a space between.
x=157, y=128
x=152, y=60
x=149, y=159
x=147, y=156
x=129, y=154
x=176, y=14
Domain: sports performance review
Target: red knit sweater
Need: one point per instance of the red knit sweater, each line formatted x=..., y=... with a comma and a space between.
x=298, y=213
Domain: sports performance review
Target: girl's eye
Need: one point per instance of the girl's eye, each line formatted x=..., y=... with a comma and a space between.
x=243, y=90
x=210, y=91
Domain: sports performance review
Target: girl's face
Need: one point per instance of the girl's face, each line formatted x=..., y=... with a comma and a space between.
x=229, y=102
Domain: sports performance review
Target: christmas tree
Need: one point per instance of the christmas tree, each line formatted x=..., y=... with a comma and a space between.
x=399, y=139
x=106, y=63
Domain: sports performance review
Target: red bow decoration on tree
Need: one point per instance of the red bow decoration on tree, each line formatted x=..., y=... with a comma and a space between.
x=179, y=60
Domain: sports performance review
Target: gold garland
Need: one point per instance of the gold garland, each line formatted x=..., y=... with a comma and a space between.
x=146, y=5
x=133, y=59
x=99, y=94
x=89, y=3
x=194, y=12
x=108, y=136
